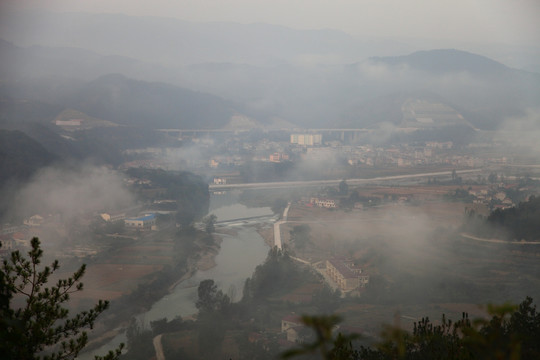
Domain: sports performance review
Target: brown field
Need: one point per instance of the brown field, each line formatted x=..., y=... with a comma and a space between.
x=121, y=272
x=109, y=282
x=116, y=277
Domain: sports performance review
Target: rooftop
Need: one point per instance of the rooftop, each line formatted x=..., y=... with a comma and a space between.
x=144, y=218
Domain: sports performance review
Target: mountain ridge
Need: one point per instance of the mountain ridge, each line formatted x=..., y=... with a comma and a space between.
x=446, y=60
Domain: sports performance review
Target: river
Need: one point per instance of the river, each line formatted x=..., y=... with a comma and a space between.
x=237, y=258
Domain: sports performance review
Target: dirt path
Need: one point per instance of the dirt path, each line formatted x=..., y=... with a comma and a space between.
x=159, y=349
x=497, y=241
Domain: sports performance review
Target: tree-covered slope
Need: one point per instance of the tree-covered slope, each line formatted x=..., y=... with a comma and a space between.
x=21, y=156
x=154, y=105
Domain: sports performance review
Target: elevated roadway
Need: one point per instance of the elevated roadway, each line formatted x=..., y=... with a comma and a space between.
x=288, y=184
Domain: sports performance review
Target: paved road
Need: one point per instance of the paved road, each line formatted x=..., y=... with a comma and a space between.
x=281, y=184
x=277, y=234
x=277, y=227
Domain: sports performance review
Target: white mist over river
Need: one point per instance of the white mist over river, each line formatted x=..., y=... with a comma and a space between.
x=238, y=257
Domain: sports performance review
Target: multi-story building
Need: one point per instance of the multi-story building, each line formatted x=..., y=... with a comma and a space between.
x=306, y=139
x=345, y=274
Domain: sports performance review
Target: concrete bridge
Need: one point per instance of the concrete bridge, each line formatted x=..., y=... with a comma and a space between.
x=343, y=134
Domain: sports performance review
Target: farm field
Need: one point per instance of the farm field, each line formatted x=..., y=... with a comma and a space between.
x=121, y=271
x=418, y=263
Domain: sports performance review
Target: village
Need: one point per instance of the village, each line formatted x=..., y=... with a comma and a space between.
x=352, y=237
x=211, y=153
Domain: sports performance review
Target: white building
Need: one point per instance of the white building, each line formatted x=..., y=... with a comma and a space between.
x=325, y=203
x=113, y=217
x=345, y=275
x=143, y=223
x=306, y=139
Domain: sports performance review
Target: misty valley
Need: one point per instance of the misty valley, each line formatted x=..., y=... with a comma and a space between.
x=233, y=195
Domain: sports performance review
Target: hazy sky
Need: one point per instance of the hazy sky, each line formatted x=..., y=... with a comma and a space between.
x=493, y=21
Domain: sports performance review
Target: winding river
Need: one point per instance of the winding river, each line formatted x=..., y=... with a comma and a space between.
x=236, y=261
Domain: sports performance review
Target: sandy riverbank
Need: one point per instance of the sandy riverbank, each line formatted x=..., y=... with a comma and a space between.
x=205, y=261
x=267, y=233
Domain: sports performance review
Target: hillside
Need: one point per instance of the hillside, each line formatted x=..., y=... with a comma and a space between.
x=521, y=222
x=21, y=156
x=442, y=61
x=23, y=63
x=115, y=98
x=154, y=105
x=484, y=92
x=477, y=90
x=24, y=110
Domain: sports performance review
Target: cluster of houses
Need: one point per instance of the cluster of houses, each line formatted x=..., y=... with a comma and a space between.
x=497, y=197
x=18, y=236
x=238, y=149
x=323, y=202
x=13, y=237
x=144, y=222
x=278, y=157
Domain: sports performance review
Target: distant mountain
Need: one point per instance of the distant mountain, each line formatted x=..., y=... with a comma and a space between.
x=173, y=42
x=117, y=99
x=97, y=139
x=360, y=94
x=443, y=61
x=34, y=62
x=484, y=92
x=151, y=104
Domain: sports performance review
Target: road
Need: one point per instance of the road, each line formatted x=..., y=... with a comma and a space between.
x=282, y=184
x=497, y=241
x=277, y=227
x=159, y=349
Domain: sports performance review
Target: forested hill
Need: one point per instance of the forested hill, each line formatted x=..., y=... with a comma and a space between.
x=189, y=191
x=21, y=156
x=156, y=105
x=522, y=222
x=485, y=92
x=442, y=61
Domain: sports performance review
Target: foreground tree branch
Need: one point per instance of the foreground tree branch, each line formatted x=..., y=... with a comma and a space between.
x=42, y=328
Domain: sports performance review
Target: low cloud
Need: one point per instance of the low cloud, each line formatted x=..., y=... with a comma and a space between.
x=522, y=133
x=70, y=192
